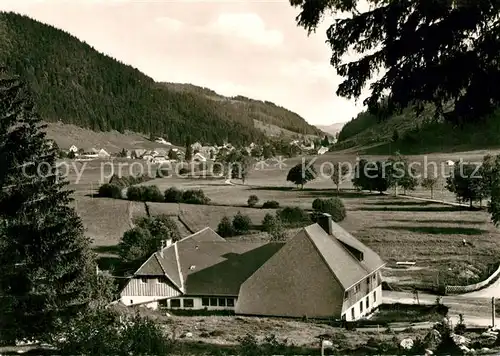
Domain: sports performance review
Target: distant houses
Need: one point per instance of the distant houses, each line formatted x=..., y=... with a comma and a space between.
x=162, y=141
x=322, y=150
x=198, y=157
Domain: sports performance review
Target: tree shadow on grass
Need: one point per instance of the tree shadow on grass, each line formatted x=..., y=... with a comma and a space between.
x=107, y=258
x=414, y=208
x=107, y=263
x=436, y=221
x=440, y=230
x=113, y=249
x=321, y=192
x=401, y=203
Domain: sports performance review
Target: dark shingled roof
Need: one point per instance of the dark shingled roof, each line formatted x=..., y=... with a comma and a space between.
x=204, y=263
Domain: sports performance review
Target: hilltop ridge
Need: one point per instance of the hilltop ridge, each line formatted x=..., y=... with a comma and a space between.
x=72, y=83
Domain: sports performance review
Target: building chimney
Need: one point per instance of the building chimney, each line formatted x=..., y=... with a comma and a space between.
x=325, y=221
x=162, y=246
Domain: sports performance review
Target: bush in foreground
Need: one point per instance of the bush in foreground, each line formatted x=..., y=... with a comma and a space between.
x=332, y=206
x=102, y=332
x=110, y=191
x=241, y=223
x=195, y=196
x=225, y=228
x=270, y=204
x=173, y=195
x=252, y=201
x=293, y=216
x=145, y=193
x=145, y=238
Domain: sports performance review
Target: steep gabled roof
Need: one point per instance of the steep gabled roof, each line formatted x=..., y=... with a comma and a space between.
x=219, y=268
x=371, y=260
x=348, y=270
x=204, y=263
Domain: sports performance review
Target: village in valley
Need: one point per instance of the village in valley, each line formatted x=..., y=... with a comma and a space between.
x=144, y=217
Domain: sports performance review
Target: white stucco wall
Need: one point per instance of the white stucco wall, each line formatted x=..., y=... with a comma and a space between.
x=374, y=300
x=154, y=301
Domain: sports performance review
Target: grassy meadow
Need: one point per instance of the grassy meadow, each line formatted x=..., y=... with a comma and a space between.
x=399, y=229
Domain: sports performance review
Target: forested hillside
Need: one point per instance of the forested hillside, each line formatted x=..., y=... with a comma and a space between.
x=412, y=134
x=263, y=111
x=75, y=84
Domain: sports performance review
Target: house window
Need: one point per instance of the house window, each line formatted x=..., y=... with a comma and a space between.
x=230, y=302
x=205, y=302
x=222, y=302
x=163, y=303
x=144, y=280
x=361, y=307
x=161, y=280
x=374, y=297
x=343, y=317
x=188, y=303
x=213, y=302
x=175, y=303
x=367, y=302
x=346, y=295
x=131, y=301
x=368, y=282
x=353, y=313
x=357, y=288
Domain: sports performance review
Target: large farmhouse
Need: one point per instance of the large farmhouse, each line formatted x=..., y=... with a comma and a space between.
x=321, y=272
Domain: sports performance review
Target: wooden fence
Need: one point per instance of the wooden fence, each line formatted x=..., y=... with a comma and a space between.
x=472, y=287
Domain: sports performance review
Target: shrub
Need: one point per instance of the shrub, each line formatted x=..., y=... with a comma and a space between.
x=151, y=193
x=271, y=204
x=183, y=171
x=278, y=231
x=268, y=222
x=110, y=191
x=252, y=200
x=173, y=195
x=225, y=228
x=162, y=172
x=134, y=193
x=293, y=216
x=195, y=196
x=145, y=193
x=160, y=226
x=136, y=244
x=332, y=206
x=102, y=332
x=241, y=223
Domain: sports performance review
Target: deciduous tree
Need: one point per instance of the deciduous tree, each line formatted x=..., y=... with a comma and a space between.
x=302, y=173
x=429, y=183
x=339, y=174
x=465, y=183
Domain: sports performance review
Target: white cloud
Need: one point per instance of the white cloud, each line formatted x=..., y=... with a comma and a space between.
x=170, y=23
x=249, y=26
x=308, y=70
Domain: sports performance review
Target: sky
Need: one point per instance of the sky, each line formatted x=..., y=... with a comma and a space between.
x=235, y=47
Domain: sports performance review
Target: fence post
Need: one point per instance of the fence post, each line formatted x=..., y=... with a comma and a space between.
x=492, y=312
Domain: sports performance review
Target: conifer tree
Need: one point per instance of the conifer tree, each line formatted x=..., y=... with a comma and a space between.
x=47, y=267
x=189, y=151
